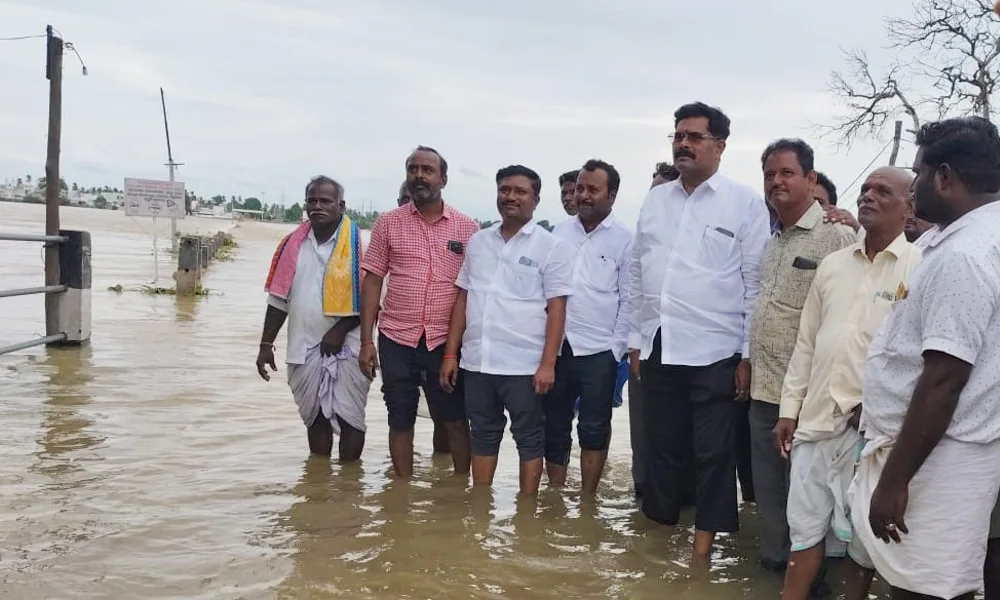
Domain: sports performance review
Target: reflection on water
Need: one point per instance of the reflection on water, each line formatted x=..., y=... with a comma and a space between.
x=156, y=464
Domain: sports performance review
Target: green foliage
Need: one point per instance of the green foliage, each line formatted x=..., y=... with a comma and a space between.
x=252, y=204
x=293, y=214
x=365, y=220
x=100, y=202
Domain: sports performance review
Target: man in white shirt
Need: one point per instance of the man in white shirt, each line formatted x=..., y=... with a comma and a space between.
x=567, y=191
x=596, y=328
x=928, y=476
x=693, y=283
x=323, y=371
x=846, y=304
x=508, y=320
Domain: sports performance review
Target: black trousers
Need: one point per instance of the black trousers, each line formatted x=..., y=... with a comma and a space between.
x=691, y=410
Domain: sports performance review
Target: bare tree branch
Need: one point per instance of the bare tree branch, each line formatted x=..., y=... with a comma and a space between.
x=949, y=51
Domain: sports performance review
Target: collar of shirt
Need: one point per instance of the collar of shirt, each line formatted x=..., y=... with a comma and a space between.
x=329, y=242
x=606, y=223
x=527, y=229
x=809, y=220
x=713, y=183
x=896, y=248
x=986, y=211
x=447, y=213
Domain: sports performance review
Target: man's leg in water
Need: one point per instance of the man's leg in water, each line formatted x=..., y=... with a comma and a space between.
x=320, y=435
x=352, y=441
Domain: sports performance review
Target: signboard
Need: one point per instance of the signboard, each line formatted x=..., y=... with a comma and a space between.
x=154, y=198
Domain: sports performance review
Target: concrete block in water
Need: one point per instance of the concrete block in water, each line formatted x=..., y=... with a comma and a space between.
x=205, y=256
x=188, y=274
x=73, y=306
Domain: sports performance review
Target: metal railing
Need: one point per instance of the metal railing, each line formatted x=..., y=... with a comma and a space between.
x=47, y=289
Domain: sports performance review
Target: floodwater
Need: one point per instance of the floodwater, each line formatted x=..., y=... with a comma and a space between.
x=156, y=464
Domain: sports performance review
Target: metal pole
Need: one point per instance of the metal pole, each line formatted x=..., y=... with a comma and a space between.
x=52, y=182
x=170, y=163
x=156, y=255
x=897, y=136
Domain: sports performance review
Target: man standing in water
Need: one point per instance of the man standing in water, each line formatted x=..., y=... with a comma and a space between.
x=693, y=284
x=314, y=284
x=422, y=246
x=848, y=300
x=928, y=479
x=790, y=261
x=440, y=433
x=596, y=328
x=567, y=191
x=508, y=320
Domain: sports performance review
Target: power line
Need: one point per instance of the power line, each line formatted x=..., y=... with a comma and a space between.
x=21, y=37
x=865, y=170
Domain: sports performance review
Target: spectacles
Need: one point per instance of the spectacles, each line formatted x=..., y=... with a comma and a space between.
x=695, y=137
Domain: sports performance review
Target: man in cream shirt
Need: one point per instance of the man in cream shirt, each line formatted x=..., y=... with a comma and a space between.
x=821, y=397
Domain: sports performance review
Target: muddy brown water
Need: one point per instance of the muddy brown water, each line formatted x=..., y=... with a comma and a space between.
x=156, y=464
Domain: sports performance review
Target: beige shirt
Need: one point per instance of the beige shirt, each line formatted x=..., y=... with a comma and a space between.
x=847, y=304
x=790, y=261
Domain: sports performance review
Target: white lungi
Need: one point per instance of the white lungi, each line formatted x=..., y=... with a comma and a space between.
x=334, y=385
x=821, y=473
x=948, y=515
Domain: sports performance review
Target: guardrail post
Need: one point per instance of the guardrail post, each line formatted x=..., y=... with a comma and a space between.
x=188, y=266
x=73, y=310
x=205, y=253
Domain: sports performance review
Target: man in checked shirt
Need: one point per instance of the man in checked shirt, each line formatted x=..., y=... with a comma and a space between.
x=422, y=245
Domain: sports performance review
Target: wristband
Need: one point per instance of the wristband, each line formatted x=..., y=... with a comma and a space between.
x=267, y=344
x=367, y=343
x=455, y=356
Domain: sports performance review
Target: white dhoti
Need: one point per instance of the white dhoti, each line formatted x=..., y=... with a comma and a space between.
x=948, y=516
x=333, y=385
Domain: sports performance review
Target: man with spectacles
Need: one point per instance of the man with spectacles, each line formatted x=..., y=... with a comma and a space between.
x=694, y=280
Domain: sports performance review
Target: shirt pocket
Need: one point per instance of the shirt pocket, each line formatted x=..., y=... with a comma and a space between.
x=601, y=273
x=523, y=282
x=447, y=266
x=877, y=315
x=717, y=246
x=793, y=283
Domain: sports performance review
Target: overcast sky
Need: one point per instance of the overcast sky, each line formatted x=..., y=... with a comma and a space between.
x=263, y=94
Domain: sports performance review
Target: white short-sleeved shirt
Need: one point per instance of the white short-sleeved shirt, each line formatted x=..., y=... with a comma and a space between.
x=508, y=285
x=597, y=312
x=952, y=306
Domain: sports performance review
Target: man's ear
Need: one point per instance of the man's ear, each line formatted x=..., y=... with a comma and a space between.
x=444, y=181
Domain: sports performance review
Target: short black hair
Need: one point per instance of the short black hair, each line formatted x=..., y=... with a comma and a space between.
x=568, y=176
x=969, y=145
x=444, y=163
x=666, y=171
x=614, y=179
x=831, y=190
x=718, y=122
x=324, y=180
x=514, y=170
x=802, y=150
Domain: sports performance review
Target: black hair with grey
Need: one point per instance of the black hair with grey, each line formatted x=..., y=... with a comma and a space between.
x=444, y=163
x=718, y=122
x=324, y=180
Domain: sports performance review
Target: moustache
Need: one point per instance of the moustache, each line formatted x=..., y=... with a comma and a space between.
x=683, y=154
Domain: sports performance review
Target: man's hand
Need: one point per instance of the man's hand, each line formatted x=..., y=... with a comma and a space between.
x=545, y=378
x=333, y=341
x=840, y=215
x=743, y=381
x=887, y=508
x=265, y=358
x=633, y=362
x=783, y=434
x=449, y=374
x=368, y=359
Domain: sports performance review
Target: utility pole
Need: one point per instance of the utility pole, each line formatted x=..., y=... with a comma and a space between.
x=53, y=72
x=171, y=165
x=895, y=143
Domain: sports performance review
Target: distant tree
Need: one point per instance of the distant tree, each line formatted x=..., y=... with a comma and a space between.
x=251, y=204
x=945, y=62
x=485, y=224
x=218, y=200
x=545, y=225
x=293, y=213
x=101, y=202
x=364, y=220
x=76, y=188
x=27, y=178
x=19, y=182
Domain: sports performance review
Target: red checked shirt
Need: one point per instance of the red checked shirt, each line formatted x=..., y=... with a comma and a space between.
x=422, y=260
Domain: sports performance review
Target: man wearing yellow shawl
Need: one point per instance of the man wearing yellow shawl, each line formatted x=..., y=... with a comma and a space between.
x=314, y=284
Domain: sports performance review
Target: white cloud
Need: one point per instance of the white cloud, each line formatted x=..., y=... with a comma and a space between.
x=263, y=94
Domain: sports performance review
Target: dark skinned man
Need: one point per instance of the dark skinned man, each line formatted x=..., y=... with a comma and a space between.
x=801, y=241
x=928, y=475
x=596, y=328
x=422, y=246
x=314, y=285
x=821, y=397
x=567, y=191
x=693, y=284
